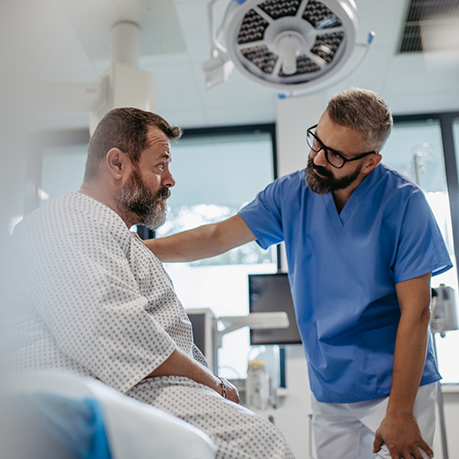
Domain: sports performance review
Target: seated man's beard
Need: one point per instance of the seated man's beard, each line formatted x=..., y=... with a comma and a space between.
x=135, y=197
x=327, y=183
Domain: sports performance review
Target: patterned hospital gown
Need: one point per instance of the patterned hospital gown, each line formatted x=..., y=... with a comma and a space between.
x=94, y=300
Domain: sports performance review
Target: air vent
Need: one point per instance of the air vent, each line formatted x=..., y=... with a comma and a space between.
x=430, y=25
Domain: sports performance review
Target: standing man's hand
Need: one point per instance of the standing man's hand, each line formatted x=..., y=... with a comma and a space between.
x=401, y=435
x=399, y=429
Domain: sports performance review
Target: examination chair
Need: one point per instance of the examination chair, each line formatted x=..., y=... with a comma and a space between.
x=57, y=415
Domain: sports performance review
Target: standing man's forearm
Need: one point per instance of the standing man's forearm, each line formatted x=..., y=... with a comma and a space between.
x=399, y=429
x=202, y=242
x=409, y=360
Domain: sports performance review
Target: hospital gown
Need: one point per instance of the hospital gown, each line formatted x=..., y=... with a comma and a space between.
x=94, y=300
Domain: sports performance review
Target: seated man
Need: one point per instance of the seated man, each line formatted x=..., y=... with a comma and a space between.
x=94, y=300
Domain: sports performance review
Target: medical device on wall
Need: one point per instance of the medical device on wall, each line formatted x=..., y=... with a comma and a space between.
x=295, y=46
x=444, y=312
x=422, y=156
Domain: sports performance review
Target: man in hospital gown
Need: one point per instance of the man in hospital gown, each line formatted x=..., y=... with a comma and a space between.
x=95, y=301
x=362, y=245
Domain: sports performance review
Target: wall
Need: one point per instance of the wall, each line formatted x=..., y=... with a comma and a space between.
x=451, y=410
x=294, y=116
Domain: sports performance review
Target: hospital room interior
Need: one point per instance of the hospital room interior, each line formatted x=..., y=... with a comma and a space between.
x=244, y=108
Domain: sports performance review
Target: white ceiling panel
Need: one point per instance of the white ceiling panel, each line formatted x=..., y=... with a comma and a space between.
x=368, y=75
x=194, y=29
x=384, y=18
x=423, y=102
x=70, y=40
x=412, y=74
x=256, y=113
x=239, y=89
x=48, y=43
x=184, y=118
x=93, y=21
x=181, y=87
x=163, y=59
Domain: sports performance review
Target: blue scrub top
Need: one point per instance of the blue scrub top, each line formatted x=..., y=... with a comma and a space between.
x=343, y=269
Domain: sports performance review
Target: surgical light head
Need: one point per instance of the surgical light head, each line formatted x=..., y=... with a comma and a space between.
x=290, y=45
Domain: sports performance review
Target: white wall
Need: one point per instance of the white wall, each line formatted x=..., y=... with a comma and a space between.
x=451, y=410
x=294, y=116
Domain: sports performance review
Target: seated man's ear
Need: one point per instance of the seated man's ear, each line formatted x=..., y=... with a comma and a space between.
x=117, y=163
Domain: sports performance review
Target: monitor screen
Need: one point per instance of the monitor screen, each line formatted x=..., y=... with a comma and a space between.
x=198, y=321
x=204, y=327
x=271, y=293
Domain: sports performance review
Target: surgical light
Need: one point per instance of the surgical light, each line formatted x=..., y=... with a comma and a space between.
x=291, y=45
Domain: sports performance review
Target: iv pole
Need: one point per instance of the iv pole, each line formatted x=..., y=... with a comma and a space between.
x=435, y=329
x=441, y=410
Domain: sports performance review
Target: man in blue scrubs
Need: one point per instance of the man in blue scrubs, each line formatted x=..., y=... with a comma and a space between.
x=362, y=245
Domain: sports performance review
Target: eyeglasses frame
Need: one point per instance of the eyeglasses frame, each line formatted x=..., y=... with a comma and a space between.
x=327, y=149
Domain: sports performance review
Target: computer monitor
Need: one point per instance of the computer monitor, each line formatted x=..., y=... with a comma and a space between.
x=271, y=293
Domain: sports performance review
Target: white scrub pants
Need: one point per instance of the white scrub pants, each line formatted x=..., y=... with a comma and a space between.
x=347, y=430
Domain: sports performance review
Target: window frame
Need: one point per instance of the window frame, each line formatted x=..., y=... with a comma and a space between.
x=450, y=161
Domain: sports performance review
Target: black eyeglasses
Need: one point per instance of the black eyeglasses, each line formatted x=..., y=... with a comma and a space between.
x=333, y=157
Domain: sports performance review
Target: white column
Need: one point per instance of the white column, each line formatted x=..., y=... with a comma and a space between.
x=294, y=116
x=125, y=43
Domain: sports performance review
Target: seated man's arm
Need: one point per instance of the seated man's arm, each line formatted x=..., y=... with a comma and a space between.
x=202, y=242
x=198, y=356
x=180, y=364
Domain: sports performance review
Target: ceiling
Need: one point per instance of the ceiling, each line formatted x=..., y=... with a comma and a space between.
x=70, y=40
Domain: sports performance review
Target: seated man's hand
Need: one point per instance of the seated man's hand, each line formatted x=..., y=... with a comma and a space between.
x=231, y=391
x=402, y=436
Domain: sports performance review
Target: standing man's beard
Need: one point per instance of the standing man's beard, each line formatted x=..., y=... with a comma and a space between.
x=135, y=197
x=327, y=183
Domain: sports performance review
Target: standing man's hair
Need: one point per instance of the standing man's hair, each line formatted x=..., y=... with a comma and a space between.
x=364, y=111
x=126, y=129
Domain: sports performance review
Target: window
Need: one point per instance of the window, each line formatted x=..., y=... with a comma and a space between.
x=62, y=171
x=56, y=166
x=415, y=148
